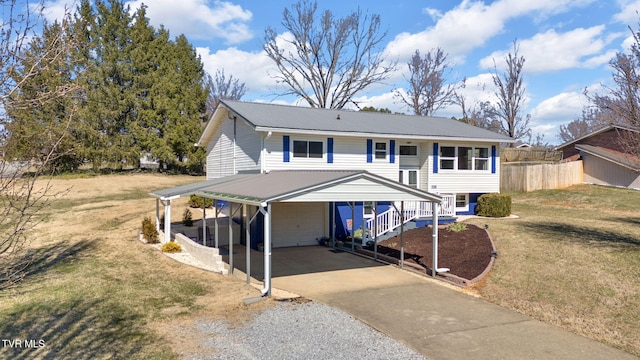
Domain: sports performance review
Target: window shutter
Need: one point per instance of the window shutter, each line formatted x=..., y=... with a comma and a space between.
x=392, y=151
x=286, y=153
x=493, y=159
x=330, y=150
x=435, y=158
x=369, y=150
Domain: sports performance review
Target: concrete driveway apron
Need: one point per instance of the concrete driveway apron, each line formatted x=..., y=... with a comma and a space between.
x=438, y=321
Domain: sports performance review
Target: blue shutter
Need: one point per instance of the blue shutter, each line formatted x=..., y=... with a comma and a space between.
x=493, y=159
x=330, y=150
x=435, y=158
x=285, y=148
x=369, y=150
x=392, y=151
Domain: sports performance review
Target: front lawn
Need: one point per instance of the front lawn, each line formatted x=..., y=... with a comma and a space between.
x=572, y=259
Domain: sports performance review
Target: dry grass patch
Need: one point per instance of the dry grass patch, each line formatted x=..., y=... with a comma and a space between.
x=572, y=259
x=95, y=291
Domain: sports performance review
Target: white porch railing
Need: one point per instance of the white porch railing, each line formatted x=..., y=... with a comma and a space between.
x=391, y=219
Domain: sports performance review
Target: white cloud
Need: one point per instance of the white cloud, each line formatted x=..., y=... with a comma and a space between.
x=471, y=24
x=252, y=68
x=55, y=10
x=550, y=51
x=628, y=14
x=198, y=19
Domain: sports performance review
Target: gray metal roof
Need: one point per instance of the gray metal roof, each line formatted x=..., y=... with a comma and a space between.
x=189, y=189
x=293, y=118
x=622, y=159
x=282, y=185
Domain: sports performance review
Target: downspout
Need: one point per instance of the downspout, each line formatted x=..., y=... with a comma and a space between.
x=263, y=160
x=234, y=144
x=434, y=235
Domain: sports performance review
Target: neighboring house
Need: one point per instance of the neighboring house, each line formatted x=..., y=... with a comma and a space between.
x=446, y=157
x=606, y=156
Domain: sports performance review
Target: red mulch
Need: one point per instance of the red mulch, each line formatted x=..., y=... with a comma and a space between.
x=467, y=253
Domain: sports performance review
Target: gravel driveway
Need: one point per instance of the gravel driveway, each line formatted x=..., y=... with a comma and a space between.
x=292, y=330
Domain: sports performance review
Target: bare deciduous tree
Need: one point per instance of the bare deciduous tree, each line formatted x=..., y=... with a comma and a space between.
x=586, y=123
x=222, y=87
x=428, y=91
x=620, y=103
x=510, y=94
x=328, y=60
x=21, y=199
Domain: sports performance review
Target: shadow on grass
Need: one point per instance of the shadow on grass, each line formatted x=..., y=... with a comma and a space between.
x=629, y=220
x=71, y=325
x=582, y=234
x=75, y=329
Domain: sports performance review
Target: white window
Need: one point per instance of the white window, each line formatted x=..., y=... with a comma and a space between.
x=381, y=150
x=408, y=150
x=464, y=158
x=307, y=149
x=367, y=209
x=462, y=202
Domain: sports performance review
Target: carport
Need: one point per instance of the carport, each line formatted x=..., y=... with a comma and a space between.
x=254, y=194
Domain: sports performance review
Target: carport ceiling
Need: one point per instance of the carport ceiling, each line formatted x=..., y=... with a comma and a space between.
x=311, y=186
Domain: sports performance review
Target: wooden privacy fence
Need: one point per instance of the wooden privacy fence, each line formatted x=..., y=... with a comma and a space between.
x=517, y=177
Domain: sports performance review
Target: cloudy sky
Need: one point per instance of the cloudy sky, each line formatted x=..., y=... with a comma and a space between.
x=567, y=44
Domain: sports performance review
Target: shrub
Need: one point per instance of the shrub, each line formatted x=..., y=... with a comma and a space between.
x=187, y=218
x=457, y=227
x=196, y=201
x=171, y=247
x=494, y=205
x=149, y=231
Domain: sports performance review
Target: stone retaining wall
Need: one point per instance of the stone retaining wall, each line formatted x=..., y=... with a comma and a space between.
x=207, y=255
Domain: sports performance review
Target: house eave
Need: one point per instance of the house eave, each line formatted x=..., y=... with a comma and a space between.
x=378, y=135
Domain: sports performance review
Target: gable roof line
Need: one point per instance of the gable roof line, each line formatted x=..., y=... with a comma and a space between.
x=596, y=132
x=273, y=117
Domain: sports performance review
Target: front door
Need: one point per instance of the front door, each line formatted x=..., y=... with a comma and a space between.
x=408, y=177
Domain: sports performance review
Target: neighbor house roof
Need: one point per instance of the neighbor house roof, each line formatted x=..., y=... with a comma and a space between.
x=295, y=119
x=301, y=186
x=595, y=132
x=617, y=157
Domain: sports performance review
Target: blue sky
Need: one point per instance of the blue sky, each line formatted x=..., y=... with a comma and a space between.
x=567, y=44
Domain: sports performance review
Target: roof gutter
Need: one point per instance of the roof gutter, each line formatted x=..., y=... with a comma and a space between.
x=368, y=134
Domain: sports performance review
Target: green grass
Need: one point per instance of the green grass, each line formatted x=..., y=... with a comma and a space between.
x=572, y=259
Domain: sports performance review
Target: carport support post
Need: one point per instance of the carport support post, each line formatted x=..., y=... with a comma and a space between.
x=267, y=249
x=247, y=242
x=167, y=221
x=353, y=226
x=434, y=210
x=375, y=230
x=157, y=214
x=401, y=234
x=215, y=224
x=204, y=223
x=230, y=227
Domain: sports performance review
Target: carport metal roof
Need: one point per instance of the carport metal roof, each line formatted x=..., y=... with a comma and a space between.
x=295, y=186
x=300, y=186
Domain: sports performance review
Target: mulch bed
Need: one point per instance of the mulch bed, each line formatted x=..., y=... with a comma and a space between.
x=467, y=253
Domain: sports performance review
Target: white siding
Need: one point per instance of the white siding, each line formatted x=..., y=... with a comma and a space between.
x=298, y=224
x=348, y=154
x=459, y=181
x=220, y=149
x=602, y=172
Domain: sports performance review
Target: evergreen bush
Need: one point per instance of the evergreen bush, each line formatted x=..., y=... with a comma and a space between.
x=187, y=218
x=149, y=231
x=494, y=205
x=196, y=201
